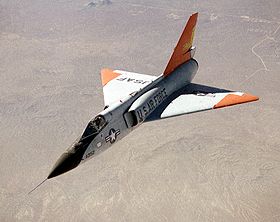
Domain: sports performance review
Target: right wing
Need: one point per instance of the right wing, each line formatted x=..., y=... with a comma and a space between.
x=195, y=98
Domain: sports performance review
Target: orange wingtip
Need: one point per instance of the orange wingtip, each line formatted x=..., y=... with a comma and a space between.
x=107, y=75
x=232, y=99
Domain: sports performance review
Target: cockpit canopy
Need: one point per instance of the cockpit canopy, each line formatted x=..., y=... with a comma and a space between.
x=94, y=126
x=91, y=131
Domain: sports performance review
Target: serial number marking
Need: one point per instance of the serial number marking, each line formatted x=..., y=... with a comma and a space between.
x=89, y=154
x=200, y=93
x=131, y=80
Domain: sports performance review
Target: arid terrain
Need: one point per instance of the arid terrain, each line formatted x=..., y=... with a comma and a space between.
x=221, y=165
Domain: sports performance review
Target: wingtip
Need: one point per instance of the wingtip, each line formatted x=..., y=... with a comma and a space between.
x=253, y=97
x=232, y=99
x=107, y=75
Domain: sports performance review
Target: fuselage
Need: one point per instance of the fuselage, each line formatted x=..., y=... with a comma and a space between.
x=120, y=118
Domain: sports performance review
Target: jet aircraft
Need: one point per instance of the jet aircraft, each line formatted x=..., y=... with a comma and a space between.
x=132, y=99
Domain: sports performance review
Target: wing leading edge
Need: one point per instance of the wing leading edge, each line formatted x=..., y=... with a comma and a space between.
x=196, y=98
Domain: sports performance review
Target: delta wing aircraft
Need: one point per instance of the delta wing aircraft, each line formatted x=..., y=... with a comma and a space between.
x=132, y=99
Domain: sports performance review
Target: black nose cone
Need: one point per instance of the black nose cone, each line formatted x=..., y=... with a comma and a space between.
x=72, y=157
x=66, y=162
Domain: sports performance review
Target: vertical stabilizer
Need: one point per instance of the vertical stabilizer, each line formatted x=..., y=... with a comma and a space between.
x=183, y=50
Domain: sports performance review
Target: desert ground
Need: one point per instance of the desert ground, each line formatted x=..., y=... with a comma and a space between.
x=221, y=165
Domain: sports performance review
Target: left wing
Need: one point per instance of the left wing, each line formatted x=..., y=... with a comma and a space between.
x=195, y=98
x=118, y=84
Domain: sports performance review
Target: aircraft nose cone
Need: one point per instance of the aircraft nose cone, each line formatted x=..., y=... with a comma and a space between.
x=66, y=162
x=69, y=159
x=72, y=157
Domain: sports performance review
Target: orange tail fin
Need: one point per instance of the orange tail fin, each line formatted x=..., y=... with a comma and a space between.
x=182, y=52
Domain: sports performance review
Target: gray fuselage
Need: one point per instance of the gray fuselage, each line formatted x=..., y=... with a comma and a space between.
x=142, y=104
x=121, y=117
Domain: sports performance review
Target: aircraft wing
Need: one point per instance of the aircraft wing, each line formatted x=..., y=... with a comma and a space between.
x=118, y=84
x=195, y=98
